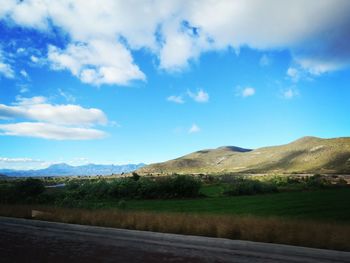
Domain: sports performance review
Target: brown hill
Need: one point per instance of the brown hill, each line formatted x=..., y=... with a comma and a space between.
x=306, y=155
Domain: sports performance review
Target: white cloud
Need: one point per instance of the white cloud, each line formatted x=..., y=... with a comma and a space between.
x=38, y=109
x=179, y=31
x=248, y=91
x=50, y=131
x=290, y=93
x=20, y=50
x=34, y=59
x=69, y=122
x=294, y=74
x=30, y=101
x=316, y=66
x=194, y=129
x=176, y=99
x=17, y=160
x=245, y=92
x=5, y=68
x=99, y=62
x=24, y=74
x=199, y=96
x=20, y=163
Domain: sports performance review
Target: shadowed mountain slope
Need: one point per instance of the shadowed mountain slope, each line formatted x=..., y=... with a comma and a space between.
x=306, y=155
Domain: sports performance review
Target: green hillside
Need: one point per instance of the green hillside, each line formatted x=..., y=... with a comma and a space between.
x=306, y=155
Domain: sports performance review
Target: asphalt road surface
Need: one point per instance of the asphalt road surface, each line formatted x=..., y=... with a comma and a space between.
x=23, y=240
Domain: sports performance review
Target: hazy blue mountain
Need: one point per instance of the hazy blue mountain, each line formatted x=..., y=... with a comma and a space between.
x=63, y=169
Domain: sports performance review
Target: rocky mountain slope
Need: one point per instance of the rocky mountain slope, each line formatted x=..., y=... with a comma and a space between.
x=306, y=155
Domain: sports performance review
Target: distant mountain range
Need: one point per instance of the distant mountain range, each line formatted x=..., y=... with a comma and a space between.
x=306, y=155
x=63, y=169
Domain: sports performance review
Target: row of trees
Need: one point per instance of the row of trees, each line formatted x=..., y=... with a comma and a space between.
x=33, y=190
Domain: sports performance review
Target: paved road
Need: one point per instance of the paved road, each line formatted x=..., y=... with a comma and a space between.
x=23, y=240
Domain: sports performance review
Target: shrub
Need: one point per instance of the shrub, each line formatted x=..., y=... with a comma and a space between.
x=317, y=181
x=123, y=187
x=178, y=186
x=135, y=176
x=249, y=187
x=30, y=187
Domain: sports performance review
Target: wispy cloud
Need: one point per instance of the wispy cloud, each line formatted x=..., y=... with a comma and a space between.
x=176, y=99
x=6, y=69
x=18, y=160
x=22, y=163
x=265, y=60
x=24, y=74
x=67, y=96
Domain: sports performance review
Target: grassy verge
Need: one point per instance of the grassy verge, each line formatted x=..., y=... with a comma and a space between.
x=271, y=229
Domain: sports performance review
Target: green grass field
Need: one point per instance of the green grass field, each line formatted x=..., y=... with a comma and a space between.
x=321, y=205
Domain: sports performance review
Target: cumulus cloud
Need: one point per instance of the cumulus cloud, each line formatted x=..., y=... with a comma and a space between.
x=99, y=62
x=194, y=129
x=200, y=96
x=179, y=31
x=49, y=121
x=176, y=99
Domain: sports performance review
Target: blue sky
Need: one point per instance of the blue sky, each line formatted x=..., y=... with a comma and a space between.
x=117, y=82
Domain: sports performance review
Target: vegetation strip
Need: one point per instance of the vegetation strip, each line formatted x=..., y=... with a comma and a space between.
x=272, y=230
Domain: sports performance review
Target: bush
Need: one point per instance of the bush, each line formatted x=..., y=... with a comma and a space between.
x=178, y=186
x=30, y=188
x=317, y=181
x=135, y=176
x=124, y=188
x=250, y=187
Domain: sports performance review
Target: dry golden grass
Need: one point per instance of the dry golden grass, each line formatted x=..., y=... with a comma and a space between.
x=274, y=230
